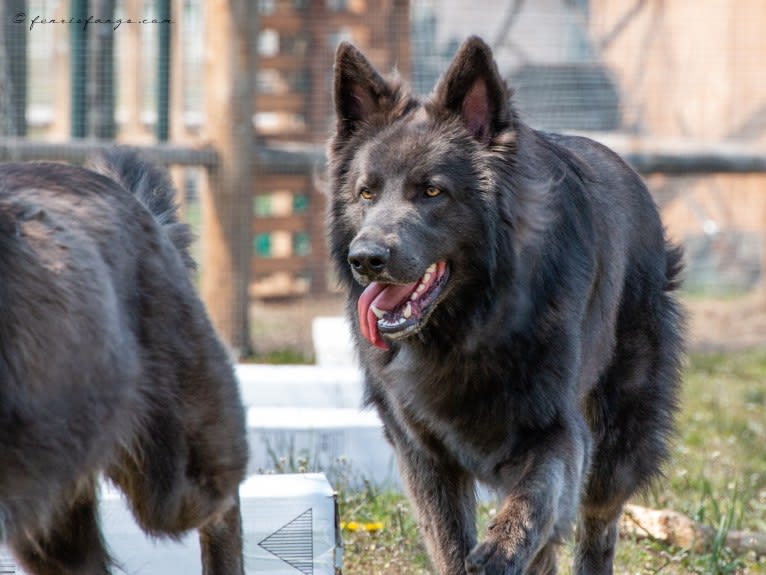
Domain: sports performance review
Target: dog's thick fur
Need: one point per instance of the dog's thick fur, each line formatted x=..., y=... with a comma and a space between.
x=108, y=364
x=544, y=358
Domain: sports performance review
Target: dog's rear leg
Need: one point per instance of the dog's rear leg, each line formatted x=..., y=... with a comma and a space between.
x=596, y=540
x=632, y=412
x=71, y=546
x=221, y=544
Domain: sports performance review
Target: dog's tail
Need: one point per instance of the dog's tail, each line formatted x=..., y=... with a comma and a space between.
x=674, y=267
x=152, y=186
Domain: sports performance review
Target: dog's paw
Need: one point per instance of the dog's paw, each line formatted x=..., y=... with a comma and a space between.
x=476, y=562
x=488, y=559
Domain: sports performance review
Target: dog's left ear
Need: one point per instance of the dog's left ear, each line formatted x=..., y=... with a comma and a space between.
x=473, y=89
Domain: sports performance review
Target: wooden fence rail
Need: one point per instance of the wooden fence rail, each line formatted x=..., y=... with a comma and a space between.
x=76, y=151
x=304, y=158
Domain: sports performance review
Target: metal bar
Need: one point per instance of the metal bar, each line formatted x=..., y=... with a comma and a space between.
x=14, y=37
x=163, y=71
x=79, y=71
x=102, y=118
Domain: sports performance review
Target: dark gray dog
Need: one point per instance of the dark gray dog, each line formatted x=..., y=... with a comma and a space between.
x=108, y=363
x=512, y=296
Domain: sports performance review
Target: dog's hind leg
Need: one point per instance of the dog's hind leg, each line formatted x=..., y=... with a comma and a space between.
x=630, y=413
x=596, y=540
x=221, y=544
x=72, y=545
x=624, y=462
x=178, y=478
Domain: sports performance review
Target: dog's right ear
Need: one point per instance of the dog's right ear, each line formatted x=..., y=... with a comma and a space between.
x=360, y=91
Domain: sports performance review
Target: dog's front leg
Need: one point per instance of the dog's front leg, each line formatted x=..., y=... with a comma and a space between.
x=444, y=499
x=542, y=489
x=445, y=509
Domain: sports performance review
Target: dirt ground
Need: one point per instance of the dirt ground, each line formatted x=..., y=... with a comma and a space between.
x=729, y=324
x=283, y=329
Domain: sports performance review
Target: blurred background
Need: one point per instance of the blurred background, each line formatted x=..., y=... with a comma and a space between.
x=235, y=97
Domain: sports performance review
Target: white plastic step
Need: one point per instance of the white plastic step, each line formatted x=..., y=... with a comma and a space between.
x=300, y=385
x=336, y=440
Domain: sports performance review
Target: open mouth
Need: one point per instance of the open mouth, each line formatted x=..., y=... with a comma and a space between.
x=400, y=310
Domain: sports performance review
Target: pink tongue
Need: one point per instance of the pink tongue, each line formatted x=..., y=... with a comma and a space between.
x=385, y=297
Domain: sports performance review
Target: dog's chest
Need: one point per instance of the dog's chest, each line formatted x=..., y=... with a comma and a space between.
x=435, y=419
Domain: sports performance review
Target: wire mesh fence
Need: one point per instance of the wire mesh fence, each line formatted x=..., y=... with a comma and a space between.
x=645, y=76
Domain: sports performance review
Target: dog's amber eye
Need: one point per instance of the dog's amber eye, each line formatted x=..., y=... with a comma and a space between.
x=365, y=193
x=432, y=191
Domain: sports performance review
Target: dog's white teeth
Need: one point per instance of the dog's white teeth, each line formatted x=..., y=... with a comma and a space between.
x=426, y=278
x=431, y=268
x=379, y=313
x=420, y=289
x=399, y=321
x=407, y=313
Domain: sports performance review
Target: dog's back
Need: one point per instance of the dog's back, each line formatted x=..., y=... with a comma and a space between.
x=108, y=362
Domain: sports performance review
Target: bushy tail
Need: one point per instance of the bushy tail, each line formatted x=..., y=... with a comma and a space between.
x=152, y=186
x=674, y=267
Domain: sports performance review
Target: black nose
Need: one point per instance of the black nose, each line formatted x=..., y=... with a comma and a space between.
x=367, y=258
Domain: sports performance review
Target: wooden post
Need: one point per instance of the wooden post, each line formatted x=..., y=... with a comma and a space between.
x=399, y=37
x=60, y=126
x=177, y=72
x=231, y=33
x=177, y=110
x=318, y=105
x=132, y=66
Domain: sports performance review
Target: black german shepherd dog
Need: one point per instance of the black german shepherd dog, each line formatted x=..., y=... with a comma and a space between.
x=108, y=364
x=512, y=296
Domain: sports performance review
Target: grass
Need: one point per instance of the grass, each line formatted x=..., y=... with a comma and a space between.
x=717, y=476
x=284, y=356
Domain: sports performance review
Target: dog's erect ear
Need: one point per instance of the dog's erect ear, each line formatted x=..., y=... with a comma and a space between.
x=359, y=90
x=473, y=89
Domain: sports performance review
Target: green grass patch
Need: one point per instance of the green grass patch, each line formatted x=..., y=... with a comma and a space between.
x=717, y=476
x=285, y=356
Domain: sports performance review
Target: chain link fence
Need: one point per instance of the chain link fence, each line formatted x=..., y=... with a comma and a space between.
x=678, y=89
